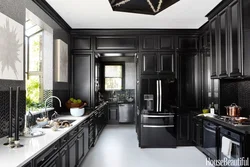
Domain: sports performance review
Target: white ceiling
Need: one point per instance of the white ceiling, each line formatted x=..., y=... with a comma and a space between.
x=99, y=14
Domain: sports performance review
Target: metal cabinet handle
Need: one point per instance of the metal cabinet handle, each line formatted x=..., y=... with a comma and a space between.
x=158, y=126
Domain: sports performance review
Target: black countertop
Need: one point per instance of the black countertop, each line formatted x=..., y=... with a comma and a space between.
x=240, y=129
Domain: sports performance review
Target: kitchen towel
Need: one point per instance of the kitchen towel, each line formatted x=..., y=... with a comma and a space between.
x=226, y=146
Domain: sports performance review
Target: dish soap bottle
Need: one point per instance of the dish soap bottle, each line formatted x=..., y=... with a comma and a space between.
x=212, y=108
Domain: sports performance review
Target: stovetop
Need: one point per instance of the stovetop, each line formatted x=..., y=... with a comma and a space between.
x=231, y=120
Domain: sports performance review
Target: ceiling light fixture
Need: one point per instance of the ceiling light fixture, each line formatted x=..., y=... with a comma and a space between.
x=151, y=7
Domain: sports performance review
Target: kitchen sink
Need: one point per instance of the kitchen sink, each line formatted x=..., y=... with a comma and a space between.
x=68, y=120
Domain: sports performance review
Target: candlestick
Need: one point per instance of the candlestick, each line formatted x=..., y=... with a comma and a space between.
x=10, y=116
x=17, y=114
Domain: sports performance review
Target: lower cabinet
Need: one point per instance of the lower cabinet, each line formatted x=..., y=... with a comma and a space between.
x=183, y=130
x=80, y=142
x=53, y=162
x=64, y=156
x=73, y=152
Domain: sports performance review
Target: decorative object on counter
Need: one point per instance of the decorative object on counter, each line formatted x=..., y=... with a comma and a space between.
x=77, y=112
x=75, y=103
x=130, y=99
x=61, y=59
x=151, y=7
x=10, y=137
x=16, y=140
x=212, y=108
x=205, y=110
x=11, y=46
x=233, y=110
x=42, y=121
x=55, y=124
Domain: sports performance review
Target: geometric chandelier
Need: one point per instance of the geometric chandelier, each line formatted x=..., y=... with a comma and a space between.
x=151, y=7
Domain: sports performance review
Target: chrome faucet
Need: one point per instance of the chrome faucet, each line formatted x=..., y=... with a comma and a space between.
x=60, y=103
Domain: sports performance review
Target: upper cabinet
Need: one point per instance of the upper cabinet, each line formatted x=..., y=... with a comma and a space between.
x=116, y=43
x=81, y=43
x=157, y=42
x=187, y=43
x=229, y=37
x=157, y=62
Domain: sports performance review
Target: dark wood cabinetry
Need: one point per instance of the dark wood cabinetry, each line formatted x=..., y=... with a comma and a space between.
x=64, y=156
x=189, y=74
x=213, y=49
x=183, y=129
x=73, y=152
x=157, y=63
x=29, y=164
x=116, y=43
x=157, y=42
x=187, y=43
x=83, y=77
x=81, y=43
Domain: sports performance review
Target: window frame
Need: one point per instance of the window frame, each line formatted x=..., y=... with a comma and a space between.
x=34, y=73
x=122, y=64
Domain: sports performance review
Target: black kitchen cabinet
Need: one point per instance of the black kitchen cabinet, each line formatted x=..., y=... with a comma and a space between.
x=64, y=157
x=53, y=162
x=83, y=74
x=235, y=39
x=73, y=152
x=183, y=129
x=157, y=63
x=116, y=43
x=81, y=43
x=222, y=44
x=213, y=48
x=189, y=82
x=157, y=42
x=29, y=164
x=113, y=114
x=80, y=142
x=187, y=43
x=86, y=138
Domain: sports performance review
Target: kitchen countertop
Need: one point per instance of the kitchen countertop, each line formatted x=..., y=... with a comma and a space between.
x=239, y=129
x=34, y=146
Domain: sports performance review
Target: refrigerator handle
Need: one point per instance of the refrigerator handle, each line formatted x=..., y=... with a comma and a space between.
x=157, y=95
x=160, y=96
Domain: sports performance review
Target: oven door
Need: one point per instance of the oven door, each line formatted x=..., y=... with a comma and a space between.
x=236, y=152
x=209, y=139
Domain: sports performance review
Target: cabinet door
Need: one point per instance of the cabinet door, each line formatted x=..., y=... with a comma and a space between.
x=187, y=43
x=189, y=80
x=86, y=137
x=149, y=63
x=64, y=157
x=234, y=35
x=166, y=43
x=80, y=139
x=81, y=43
x=183, y=129
x=213, y=48
x=149, y=42
x=73, y=152
x=29, y=164
x=223, y=44
x=82, y=75
x=166, y=63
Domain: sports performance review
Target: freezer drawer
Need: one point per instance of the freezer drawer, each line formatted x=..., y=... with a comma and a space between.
x=126, y=113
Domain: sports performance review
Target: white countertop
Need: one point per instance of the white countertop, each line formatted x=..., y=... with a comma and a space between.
x=13, y=157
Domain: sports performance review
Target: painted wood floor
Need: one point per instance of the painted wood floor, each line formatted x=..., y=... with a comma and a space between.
x=118, y=147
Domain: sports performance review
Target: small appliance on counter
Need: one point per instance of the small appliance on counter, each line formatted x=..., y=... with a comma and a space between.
x=233, y=110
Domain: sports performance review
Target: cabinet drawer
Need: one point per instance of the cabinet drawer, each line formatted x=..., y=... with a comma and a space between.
x=45, y=156
x=73, y=132
x=64, y=140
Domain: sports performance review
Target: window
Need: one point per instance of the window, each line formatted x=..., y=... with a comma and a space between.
x=113, y=77
x=34, y=65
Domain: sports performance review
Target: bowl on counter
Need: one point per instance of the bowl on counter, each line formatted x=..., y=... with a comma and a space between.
x=130, y=99
x=42, y=122
x=77, y=112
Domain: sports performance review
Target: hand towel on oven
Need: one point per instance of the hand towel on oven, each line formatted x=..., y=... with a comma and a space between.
x=226, y=146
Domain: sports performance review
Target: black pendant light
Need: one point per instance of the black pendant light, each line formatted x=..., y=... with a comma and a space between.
x=150, y=7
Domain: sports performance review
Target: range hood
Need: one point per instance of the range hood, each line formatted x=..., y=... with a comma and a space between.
x=151, y=7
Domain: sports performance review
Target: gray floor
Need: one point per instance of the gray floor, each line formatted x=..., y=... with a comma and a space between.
x=118, y=147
